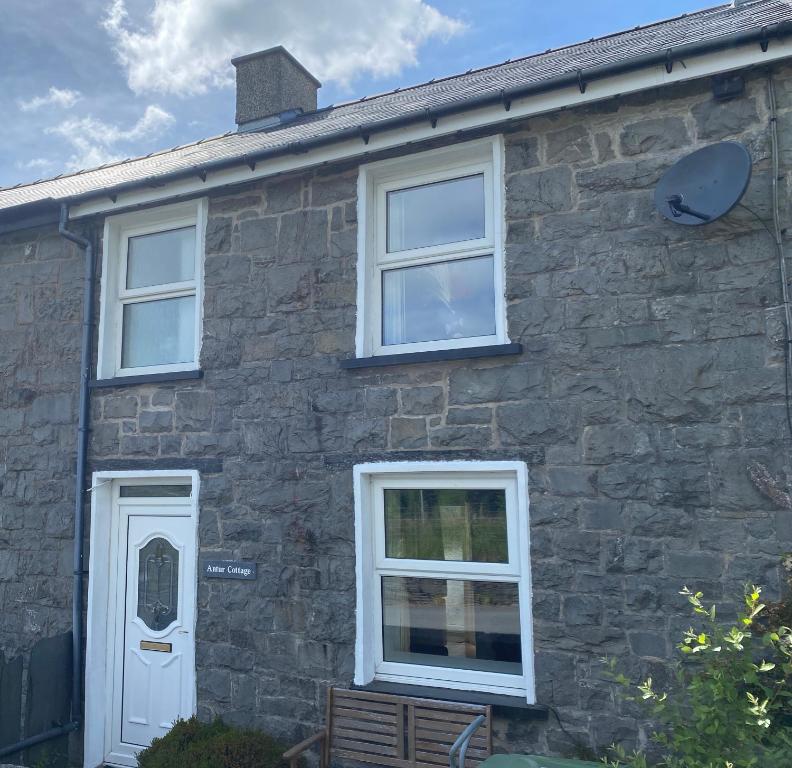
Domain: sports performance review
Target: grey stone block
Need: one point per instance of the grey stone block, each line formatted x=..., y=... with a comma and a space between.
x=470, y=386
x=408, y=433
x=655, y=135
x=218, y=234
x=155, y=421
x=522, y=154
x=536, y=192
x=303, y=236
x=422, y=400
x=582, y=610
x=259, y=236
x=695, y=565
x=52, y=409
x=569, y=145
x=719, y=119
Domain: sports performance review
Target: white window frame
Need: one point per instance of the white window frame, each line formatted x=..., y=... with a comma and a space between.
x=114, y=293
x=371, y=563
x=375, y=180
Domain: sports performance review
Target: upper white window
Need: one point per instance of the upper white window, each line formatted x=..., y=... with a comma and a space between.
x=430, y=272
x=443, y=576
x=151, y=291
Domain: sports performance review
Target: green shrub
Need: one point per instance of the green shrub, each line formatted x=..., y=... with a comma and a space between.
x=193, y=744
x=731, y=704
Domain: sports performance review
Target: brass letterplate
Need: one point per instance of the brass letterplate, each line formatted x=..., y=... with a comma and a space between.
x=150, y=645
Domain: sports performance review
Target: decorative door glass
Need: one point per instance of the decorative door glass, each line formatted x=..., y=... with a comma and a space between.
x=158, y=584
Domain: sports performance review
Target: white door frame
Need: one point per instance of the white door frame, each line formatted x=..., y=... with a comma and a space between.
x=100, y=633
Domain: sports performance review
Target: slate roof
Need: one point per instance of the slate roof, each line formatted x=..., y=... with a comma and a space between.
x=326, y=124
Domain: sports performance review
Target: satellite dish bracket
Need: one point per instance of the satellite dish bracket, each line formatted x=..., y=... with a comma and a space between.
x=678, y=207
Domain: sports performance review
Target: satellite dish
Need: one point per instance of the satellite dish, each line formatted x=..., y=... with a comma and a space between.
x=704, y=185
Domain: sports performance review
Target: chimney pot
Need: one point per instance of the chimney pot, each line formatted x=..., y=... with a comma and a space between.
x=272, y=87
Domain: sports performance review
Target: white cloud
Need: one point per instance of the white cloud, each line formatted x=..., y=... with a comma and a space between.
x=56, y=97
x=37, y=164
x=187, y=45
x=96, y=142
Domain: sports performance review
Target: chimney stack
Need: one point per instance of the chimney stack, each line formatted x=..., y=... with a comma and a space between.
x=272, y=87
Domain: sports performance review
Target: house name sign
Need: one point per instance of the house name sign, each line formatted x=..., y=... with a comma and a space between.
x=229, y=569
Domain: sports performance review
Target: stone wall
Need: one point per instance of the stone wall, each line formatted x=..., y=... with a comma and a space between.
x=651, y=377
x=40, y=314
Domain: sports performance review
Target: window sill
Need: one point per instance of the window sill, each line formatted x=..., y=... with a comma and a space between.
x=532, y=711
x=146, y=378
x=434, y=356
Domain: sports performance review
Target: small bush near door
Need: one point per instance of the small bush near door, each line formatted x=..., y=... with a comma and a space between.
x=193, y=744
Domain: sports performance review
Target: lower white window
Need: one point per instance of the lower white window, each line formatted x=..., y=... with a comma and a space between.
x=443, y=576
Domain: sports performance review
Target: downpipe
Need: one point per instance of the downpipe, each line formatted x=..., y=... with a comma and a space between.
x=79, y=492
x=89, y=281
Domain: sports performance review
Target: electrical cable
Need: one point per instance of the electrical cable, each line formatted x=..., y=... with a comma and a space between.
x=779, y=243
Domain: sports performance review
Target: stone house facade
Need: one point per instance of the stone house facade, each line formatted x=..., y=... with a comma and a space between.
x=640, y=375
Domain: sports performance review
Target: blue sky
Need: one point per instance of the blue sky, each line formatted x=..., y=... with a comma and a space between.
x=85, y=82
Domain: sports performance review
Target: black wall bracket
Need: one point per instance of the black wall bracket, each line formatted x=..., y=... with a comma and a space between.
x=727, y=86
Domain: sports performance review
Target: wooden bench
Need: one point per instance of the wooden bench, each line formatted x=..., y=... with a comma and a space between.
x=398, y=731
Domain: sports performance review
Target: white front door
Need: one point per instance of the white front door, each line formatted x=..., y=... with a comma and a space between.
x=154, y=649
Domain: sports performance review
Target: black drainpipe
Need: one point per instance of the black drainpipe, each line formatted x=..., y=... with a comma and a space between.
x=79, y=491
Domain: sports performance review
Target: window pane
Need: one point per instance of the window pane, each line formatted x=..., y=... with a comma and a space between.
x=452, y=623
x=434, y=214
x=162, y=257
x=446, y=524
x=158, y=584
x=448, y=300
x=154, y=491
x=158, y=332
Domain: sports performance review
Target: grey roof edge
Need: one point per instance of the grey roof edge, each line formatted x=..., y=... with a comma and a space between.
x=751, y=30
x=463, y=105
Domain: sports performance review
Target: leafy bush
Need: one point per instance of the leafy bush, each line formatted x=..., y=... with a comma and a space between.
x=732, y=699
x=193, y=744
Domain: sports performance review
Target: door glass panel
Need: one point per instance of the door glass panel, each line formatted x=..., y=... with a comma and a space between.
x=434, y=214
x=161, y=258
x=466, y=525
x=158, y=332
x=433, y=302
x=158, y=584
x=453, y=623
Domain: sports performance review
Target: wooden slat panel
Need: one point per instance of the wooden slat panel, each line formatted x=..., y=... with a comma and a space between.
x=440, y=758
x=411, y=731
x=400, y=730
x=369, y=728
x=446, y=717
x=448, y=739
x=392, y=762
x=365, y=748
x=431, y=758
x=367, y=736
x=435, y=726
x=449, y=706
x=363, y=725
x=356, y=714
x=439, y=749
x=440, y=727
x=367, y=697
x=365, y=706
